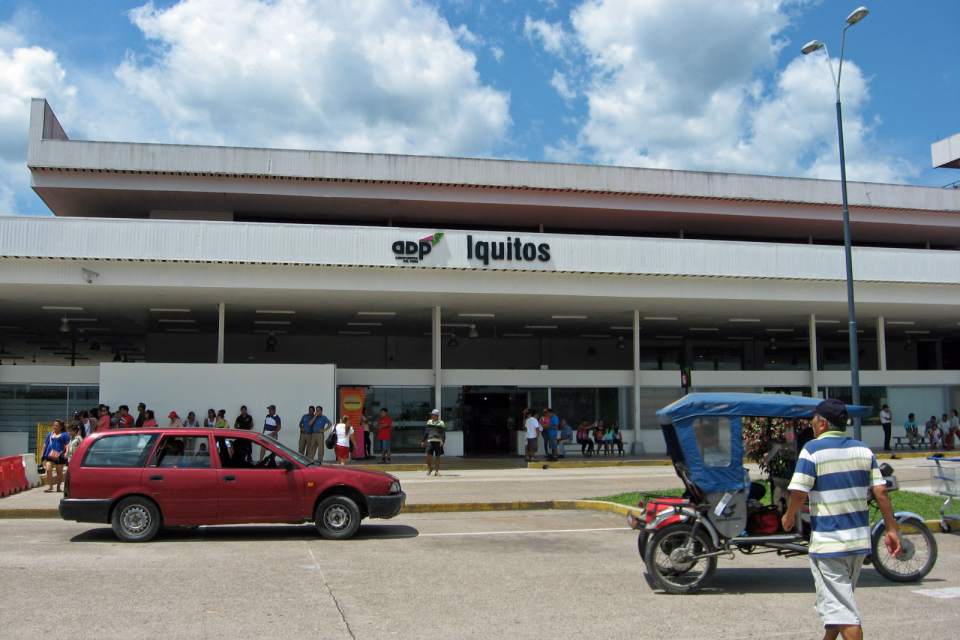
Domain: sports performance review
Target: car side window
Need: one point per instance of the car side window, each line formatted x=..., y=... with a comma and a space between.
x=121, y=450
x=182, y=452
x=245, y=453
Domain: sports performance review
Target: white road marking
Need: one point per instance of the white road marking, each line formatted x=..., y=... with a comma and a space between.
x=942, y=594
x=511, y=533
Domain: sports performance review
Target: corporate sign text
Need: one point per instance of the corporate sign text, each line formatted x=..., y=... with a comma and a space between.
x=513, y=249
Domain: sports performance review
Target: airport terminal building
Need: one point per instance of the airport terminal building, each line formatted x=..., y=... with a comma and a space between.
x=479, y=286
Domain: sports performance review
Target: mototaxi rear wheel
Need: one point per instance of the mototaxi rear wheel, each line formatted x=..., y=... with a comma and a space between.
x=671, y=560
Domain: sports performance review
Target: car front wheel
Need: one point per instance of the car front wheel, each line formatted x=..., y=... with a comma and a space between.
x=337, y=518
x=135, y=519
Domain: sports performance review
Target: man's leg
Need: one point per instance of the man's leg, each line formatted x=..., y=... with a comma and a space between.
x=429, y=463
x=304, y=443
x=436, y=471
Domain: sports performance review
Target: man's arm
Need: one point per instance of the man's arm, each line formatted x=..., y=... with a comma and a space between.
x=892, y=536
x=797, y=498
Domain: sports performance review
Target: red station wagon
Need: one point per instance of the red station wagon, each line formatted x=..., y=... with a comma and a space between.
x=138, y=480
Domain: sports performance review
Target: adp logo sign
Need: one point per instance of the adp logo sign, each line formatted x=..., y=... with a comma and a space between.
x=410, y=252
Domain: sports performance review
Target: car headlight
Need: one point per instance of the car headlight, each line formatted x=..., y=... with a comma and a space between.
x=395, y=486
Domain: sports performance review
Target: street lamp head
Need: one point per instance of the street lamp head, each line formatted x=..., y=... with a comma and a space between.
x=810, y=47
x=857, y=15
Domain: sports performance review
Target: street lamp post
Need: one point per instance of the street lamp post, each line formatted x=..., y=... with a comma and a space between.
x=810, y=47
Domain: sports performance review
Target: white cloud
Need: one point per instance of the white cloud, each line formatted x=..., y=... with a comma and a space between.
x=559, y=82
x=358, y=75
x=25, y=72
x=551, y=35
x=678, y=86
x=497, y=53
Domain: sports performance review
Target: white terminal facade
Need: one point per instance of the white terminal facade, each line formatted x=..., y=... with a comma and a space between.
x=585, y=288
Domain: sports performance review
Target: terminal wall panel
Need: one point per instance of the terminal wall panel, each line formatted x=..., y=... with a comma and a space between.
x=198, y=387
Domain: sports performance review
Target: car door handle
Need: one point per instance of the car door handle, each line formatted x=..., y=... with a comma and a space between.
x=229, y=478
x=156, y=477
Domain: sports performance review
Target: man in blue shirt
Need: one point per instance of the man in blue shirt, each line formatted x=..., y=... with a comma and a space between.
x=838, y=473
x=318, y=425
x=305, y=430
x=553, y=433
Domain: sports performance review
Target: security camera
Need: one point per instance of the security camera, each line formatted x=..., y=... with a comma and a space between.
x=89, y=275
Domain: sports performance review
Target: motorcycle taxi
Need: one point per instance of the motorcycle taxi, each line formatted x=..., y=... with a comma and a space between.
x=721, y=510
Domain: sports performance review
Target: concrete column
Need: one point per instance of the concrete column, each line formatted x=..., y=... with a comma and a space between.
x=882, y=343
x=636, y=376
x=221, y=326
x=437, y=373
x=814, y=388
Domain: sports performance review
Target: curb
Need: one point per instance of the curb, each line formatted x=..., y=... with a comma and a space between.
x=605, y=463
x=444, y=507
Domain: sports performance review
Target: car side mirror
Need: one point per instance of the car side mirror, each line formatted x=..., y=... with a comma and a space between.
x=286, y=465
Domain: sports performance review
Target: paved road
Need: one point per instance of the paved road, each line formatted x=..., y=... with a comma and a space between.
x=530, y=574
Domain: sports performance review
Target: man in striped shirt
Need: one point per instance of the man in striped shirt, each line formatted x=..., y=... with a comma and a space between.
x=838, y=473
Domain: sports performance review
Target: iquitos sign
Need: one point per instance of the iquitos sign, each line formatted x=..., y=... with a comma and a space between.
x=485, y=251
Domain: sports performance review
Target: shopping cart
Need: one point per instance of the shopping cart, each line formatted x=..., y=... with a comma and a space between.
x=945, y=480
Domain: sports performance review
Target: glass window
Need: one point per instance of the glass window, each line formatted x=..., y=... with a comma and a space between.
x=127, y=450
x=182, y=452
x=248, y=453
x=713, y=440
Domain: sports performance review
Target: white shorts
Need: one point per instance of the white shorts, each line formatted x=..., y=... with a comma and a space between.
x=836, y=579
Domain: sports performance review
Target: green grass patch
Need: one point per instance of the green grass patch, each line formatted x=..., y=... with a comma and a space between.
x=926, y=506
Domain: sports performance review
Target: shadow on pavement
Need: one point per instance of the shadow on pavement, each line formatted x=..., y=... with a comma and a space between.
x=258, y=533
x=784, y=580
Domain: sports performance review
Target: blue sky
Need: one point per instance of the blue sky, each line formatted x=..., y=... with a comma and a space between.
x=714, y=85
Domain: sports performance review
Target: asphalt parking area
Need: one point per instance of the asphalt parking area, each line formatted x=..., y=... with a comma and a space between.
x=521, y=574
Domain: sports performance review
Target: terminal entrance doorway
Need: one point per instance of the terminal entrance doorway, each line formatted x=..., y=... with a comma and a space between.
x=489, y=421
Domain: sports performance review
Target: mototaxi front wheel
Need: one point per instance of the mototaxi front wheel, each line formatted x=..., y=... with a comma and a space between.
x=671, y=559
x=918, y=552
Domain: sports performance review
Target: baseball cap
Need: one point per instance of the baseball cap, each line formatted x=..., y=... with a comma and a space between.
x=435, y=412
x=272, y=406
x=173, y=414
x=834, y=412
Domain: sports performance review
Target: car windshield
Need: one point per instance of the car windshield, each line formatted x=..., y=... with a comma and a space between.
x=287, y=451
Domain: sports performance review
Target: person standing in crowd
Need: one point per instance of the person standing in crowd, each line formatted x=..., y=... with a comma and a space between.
x=566, y=437
x=221, y=422
x=583, y=439
x=271, y=426
x=244, y=420
x=954, y=429
x=191, y=421
x=141, y=415
x=913, y=431
x=124, y=418
x=834, y=469
x=886, y=421
x=553, y=435
x=113, y=418
x=319, y=425
x=345, y=435
x=211, y=420
x=76, y=437
x=306, y=429
x=85, y=425
x=103, y=418
x=384, y=427
x=434, y=436
x=175, y=421
x=55, y=454
x=365, y=424
x=533, y=429
x=149, y=421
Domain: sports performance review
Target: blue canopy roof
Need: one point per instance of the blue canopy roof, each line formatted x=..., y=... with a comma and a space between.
x=747, y=404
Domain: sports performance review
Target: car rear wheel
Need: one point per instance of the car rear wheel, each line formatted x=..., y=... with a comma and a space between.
x=135, y=519
x=337, y=518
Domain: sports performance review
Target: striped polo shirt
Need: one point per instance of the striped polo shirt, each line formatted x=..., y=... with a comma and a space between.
x=838, y=473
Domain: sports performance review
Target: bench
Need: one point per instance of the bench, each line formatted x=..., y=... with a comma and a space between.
x=904, y=441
